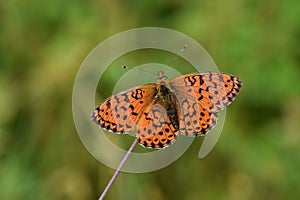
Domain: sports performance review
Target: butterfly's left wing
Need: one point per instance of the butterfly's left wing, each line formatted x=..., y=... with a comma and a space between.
x=201, y=96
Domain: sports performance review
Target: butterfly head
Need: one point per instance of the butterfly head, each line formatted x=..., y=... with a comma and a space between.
x=161, y=78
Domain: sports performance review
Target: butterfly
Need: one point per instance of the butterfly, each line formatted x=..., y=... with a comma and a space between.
x=158, y=112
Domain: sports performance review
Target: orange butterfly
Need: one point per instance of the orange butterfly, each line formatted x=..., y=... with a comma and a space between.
x=187, y=104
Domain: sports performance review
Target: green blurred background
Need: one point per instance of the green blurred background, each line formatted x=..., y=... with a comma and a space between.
x=42, y=44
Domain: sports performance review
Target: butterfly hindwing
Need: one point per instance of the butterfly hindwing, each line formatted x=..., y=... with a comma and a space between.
x=155, y=130
x=194, y=119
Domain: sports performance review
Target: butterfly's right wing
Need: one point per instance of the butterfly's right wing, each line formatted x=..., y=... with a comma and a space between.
x=201, y=96
x=121, y=112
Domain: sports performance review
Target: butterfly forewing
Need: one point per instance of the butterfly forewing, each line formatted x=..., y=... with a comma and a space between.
x=213, y=90
x=120, y=112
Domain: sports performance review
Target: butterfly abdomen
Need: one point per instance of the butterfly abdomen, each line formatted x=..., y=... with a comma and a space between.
x=173, y=115
x=168, y=100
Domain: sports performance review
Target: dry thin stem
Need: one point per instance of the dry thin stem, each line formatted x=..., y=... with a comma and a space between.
x=118, y=170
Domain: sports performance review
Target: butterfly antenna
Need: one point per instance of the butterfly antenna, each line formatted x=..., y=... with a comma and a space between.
x=148, y=72
x=176, y=57
x=127, y=67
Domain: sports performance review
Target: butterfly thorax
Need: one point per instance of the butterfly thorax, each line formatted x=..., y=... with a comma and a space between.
x=166, y=97
x=162, y=79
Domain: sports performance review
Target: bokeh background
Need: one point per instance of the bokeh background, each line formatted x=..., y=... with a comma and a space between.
x=42, y=44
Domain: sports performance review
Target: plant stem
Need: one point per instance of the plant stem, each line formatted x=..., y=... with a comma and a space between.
x=118, y=170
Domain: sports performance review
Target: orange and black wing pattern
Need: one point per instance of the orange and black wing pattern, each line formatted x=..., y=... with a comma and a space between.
x=201, y=96
x=121, y=112
x=155, y=130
